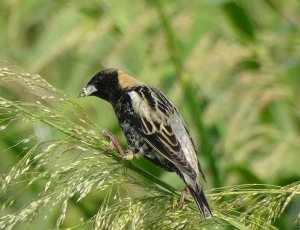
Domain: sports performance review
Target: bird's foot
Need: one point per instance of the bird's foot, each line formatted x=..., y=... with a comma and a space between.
x=182, y=196
x=114, y=143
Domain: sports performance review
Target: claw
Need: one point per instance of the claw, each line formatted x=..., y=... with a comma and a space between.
x=114, y=143
x=128, y=156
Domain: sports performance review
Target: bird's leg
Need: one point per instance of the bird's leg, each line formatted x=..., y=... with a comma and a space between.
x=114, y=143
x=182, y=196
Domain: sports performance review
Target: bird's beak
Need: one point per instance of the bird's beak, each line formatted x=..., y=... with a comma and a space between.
x=88, y=90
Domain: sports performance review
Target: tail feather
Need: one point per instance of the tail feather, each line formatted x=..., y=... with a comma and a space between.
x=201, y=201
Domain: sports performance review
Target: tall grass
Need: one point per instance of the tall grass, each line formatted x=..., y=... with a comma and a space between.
x=78, y=164
x=231, y=67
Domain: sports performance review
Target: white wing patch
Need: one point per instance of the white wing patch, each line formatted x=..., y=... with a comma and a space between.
x=142, y=108
x=155, y=118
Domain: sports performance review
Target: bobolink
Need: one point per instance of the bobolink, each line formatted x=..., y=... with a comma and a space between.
x=152, y=126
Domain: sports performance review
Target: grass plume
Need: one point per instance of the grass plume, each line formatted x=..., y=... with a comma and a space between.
x=79, y=164
x=66, y=170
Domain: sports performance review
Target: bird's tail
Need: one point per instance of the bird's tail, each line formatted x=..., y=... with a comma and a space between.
x=201, y=201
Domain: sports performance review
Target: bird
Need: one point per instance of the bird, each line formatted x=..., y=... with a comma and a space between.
x=152, y=127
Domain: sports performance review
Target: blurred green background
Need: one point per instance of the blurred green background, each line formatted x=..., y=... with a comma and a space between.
x=231, y=67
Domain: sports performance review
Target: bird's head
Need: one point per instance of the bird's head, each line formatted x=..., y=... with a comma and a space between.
x=109, y=85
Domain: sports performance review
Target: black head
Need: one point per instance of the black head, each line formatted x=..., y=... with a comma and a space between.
x=104, y=85
x=109, y=85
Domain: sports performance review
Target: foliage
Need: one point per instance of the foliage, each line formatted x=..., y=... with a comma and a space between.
x=62, y=178
x=231, y=67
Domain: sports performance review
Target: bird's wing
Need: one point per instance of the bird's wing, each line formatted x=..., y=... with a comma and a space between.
x=159, y=123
